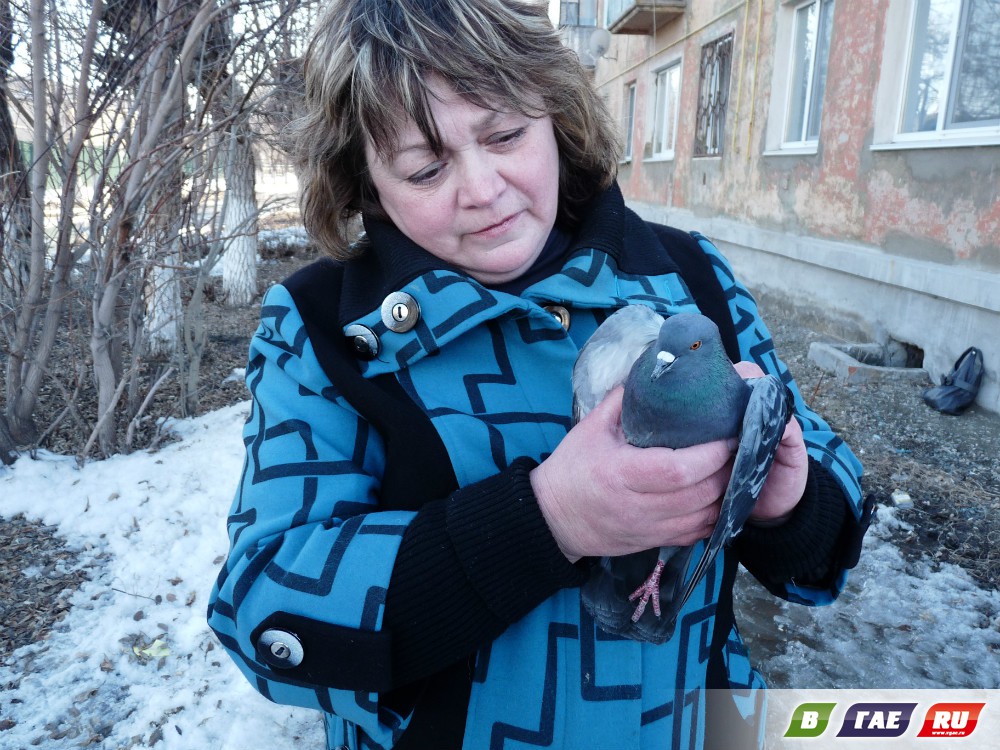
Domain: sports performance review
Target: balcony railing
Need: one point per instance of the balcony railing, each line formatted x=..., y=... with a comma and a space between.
x=631, y=17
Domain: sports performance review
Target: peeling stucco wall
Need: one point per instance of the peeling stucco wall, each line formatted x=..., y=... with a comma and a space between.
x=941, y=203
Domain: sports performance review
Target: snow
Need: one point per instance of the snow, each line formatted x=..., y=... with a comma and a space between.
x=154, y=523
x=900, y=623
x=134, y=664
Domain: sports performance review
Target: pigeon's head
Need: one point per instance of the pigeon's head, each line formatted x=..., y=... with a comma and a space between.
x=685, y=339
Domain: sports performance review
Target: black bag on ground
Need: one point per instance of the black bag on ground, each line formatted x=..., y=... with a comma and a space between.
x=958, y=388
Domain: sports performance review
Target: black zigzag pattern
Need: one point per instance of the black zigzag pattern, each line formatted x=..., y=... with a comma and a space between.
x=543, y=735
x=586, y=276
x=590, y=687
x=504, y=376
x=495, y=370
x=437, y=283
x=307, y=470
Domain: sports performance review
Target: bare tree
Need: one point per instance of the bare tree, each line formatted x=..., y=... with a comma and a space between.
x=15, y=212
x=137, y=107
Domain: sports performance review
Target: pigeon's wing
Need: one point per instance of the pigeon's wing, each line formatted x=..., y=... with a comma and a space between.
x=605, y=360
x=768, y=411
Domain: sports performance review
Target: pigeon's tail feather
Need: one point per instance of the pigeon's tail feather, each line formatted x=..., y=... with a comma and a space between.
x=763, y=425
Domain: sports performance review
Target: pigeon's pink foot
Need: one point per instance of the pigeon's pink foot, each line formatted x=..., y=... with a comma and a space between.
x=649, y=590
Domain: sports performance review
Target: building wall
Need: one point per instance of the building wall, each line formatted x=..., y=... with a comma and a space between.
x=903, y=236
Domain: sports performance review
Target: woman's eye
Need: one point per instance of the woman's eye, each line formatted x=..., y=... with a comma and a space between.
x=426, y=175
x=508, y=137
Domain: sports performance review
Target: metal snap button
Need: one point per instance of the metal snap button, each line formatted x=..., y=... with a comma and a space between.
x=400, y=312
x=280, y=649
x=363, y=340
x=560, y=313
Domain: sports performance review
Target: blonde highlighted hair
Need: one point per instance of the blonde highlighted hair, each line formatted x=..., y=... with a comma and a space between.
x=367, y=71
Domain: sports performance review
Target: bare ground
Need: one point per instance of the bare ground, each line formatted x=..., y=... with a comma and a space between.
x=950, y=466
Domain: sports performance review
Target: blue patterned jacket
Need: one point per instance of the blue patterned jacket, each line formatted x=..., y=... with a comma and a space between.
x=389, y=565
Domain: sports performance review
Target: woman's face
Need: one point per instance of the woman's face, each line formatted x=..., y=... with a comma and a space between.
x=488, y=202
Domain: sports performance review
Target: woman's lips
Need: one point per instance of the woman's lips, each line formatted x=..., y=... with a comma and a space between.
x=494, y=230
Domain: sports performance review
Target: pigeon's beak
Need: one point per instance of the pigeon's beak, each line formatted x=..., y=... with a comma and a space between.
x=663, y=362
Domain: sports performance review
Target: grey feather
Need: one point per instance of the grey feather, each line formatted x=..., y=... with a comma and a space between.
x=680, y=390
x=605, y=360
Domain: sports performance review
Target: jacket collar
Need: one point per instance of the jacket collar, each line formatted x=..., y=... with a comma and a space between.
x=392, y=260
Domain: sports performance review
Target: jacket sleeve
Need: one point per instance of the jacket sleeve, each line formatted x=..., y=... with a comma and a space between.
x=310, y=554
x=806, y=559
x=300, y=603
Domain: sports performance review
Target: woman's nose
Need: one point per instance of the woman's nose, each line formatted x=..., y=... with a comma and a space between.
x=481, y=181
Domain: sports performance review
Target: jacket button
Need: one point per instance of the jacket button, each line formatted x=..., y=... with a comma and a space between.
x=560, y=313
x=280, y=649
x=363, y=340
x=400, y=312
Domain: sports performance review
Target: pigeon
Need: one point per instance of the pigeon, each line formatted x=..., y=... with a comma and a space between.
x=680, y=389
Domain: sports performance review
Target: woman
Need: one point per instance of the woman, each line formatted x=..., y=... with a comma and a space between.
x=417, y=511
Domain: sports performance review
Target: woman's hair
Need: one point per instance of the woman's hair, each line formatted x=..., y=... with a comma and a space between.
x=367, y=72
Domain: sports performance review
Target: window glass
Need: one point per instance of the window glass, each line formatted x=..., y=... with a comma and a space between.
x=929, y=60
x=811, y=52
x=976, y=99
x=952, y=80
x=665, y=111
x=629, y=119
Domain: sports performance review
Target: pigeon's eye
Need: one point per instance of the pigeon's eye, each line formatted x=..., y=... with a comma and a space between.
x=696, y=346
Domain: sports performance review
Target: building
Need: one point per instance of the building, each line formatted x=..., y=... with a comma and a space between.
x=843, y=153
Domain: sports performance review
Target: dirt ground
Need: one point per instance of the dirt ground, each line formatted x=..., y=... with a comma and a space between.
x=949, y=466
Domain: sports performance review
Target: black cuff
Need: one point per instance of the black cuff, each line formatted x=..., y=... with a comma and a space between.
x=467, y=567
x=505, y=545
x=804, y=548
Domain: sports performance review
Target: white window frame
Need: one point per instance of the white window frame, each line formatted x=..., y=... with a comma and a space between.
x=628, y=121
x=782, y=96
x=660, y=117
x=891, y=96
x=804, y=107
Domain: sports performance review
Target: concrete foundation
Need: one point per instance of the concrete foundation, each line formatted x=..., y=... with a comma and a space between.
x=856, y=363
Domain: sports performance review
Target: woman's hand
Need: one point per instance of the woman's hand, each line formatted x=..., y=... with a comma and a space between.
x=604, y=497
x=786, y=480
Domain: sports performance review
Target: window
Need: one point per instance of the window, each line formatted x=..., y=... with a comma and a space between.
x=578, y=13
x=810, y=53
x=952, y=83
x=628, y=120
x=713, y=96
x=667, y=89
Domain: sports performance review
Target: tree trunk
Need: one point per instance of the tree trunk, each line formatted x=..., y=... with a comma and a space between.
x=15, y=206
x=27, y=359
x=15, y=243
x=195, y=336
x=7, y=446
x=163, y=305
x=105, y=348
x=239, y=261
